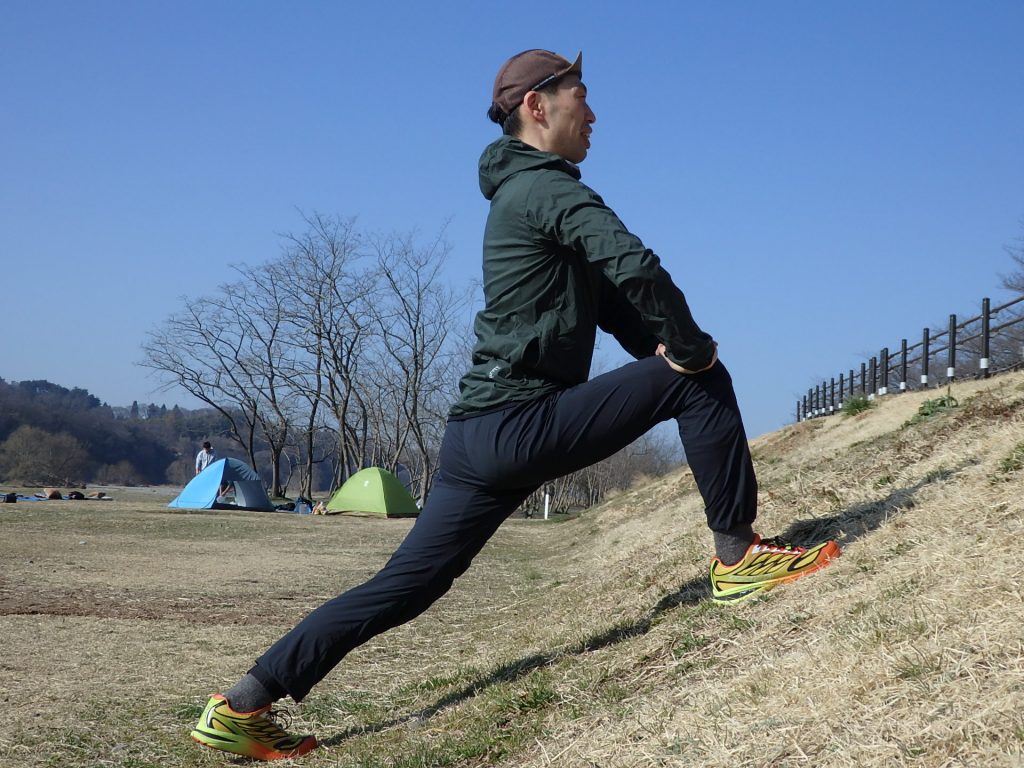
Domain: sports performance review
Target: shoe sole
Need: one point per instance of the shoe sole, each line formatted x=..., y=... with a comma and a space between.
x=256, y=752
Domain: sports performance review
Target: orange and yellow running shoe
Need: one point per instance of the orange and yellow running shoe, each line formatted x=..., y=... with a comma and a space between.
x=767, y=563
x=252, y=734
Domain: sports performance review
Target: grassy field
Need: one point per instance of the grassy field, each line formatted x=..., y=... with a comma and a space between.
x=589, y=642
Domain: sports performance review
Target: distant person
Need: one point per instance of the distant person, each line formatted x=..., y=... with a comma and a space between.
x=205, y=457
x=557, y=264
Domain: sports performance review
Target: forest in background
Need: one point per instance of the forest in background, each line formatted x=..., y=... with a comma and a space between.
x=52, y=435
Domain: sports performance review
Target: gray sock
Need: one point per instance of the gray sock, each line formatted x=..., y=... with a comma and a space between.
x=248, y=695
x=731, y=545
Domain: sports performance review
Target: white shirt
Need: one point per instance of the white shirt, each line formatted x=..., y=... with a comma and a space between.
x=204, y=459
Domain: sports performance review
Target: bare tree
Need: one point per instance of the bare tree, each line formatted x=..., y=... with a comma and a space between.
x=261, y=308
x=415, y=316
x=229, y=350
x=331, y=295
x=201, y=350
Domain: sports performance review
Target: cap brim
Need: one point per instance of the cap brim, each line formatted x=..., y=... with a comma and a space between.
x=577, y=66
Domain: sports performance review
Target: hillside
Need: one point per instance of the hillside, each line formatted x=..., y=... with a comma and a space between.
x=589, y=642
x=908, y=651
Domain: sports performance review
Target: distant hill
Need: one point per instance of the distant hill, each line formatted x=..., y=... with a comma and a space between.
x=137, y=444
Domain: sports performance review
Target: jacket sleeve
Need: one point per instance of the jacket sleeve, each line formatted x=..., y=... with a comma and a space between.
x=577, y=217
x=621, y=319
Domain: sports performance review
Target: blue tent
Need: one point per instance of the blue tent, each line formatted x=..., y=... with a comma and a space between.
x=225, y=484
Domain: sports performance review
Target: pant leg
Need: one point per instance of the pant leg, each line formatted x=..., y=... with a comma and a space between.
x=457, y=520
x=553, y=436
x=718, y=453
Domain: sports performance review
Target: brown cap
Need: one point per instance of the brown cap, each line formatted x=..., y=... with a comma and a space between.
x=527, y=71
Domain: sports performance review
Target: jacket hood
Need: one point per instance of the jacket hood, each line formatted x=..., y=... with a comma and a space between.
x=508, y=156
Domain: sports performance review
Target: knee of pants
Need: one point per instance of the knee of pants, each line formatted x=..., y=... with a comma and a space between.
x=419, y=577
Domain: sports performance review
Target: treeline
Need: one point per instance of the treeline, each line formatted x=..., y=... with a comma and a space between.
x=51, y=435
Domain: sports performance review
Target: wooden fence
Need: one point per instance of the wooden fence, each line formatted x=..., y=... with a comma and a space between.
x=990, y=343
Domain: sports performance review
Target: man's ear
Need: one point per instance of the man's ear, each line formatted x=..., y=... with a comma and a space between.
x=533, y=105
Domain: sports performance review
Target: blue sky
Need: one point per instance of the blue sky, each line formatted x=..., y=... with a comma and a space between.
x=821, y=179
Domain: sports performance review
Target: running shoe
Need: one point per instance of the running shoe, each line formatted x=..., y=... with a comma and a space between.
x=253, y=734
x=767, y=563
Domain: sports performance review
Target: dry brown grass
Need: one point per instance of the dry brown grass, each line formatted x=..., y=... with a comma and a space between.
x=584, y=643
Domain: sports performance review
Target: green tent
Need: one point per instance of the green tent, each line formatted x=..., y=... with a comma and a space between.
x=375, y=491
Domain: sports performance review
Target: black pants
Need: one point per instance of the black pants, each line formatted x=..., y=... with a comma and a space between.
x=489, y=464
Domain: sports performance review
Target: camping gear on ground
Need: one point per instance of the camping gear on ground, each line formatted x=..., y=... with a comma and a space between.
x=225, y=484
x=374, y=491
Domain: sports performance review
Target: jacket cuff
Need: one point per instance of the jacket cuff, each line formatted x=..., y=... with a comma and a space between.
x=698, y=357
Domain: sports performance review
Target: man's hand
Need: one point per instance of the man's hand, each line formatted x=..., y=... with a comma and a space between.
x=660, y=352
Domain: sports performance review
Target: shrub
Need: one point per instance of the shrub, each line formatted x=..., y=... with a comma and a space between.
x=37, y=457
x=931, y=407
x=858, y=404
x=1010, y=465
x=121, y=473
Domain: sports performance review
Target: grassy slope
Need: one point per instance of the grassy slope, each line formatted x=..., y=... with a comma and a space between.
x=587, y=643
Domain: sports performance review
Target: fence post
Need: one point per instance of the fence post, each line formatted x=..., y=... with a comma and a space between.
x=984, y=337
x=903, y=365
x=924, y=359
x=873, y=375
x=832, y=397
x=852, y=391
x=842, y=391
x=885, y=371
x=951, y=366
x=810, y=403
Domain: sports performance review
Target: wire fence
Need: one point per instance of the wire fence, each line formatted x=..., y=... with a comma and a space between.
x=991, y=343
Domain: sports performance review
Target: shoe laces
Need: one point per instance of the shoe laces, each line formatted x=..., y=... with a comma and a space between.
x=778, y=545
x=281, y=718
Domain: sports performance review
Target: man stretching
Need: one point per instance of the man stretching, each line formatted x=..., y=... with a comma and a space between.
x=557, y=265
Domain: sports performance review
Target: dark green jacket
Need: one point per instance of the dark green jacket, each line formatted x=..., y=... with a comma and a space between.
x=558, y=264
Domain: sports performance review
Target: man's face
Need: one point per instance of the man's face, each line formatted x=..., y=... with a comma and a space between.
x=569, y=119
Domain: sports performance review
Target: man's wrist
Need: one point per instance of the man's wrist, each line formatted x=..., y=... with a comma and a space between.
x=691, y=365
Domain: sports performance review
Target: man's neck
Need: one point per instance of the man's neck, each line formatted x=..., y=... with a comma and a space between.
x=534, y=139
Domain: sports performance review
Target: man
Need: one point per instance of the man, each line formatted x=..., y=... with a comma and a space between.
x=205, y=457
x=557, y=265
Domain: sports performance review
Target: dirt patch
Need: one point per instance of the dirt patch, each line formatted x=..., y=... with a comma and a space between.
x=23, y=600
